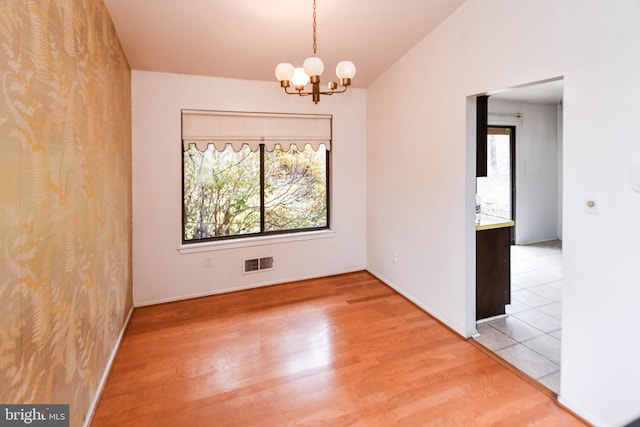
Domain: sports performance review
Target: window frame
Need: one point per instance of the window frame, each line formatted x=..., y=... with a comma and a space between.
x=262, y=232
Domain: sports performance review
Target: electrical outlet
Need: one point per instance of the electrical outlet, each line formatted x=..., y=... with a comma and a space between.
x=394, y=257
x=208, y=262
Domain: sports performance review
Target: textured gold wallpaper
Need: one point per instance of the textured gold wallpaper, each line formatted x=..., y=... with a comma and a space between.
x=65, y=199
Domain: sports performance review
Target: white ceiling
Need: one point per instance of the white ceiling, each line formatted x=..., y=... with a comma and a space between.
x=246, y=39
x=548, y=92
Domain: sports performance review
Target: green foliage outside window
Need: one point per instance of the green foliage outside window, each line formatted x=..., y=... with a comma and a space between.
x=222, y=191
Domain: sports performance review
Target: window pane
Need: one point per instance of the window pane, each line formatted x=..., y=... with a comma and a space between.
x=495, y=189
x=221, y=192
x=295, y=188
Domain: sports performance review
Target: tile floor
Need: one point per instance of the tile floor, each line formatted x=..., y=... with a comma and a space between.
x=529, y=335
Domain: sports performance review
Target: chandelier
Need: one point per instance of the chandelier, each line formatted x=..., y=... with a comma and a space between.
x=311, y=71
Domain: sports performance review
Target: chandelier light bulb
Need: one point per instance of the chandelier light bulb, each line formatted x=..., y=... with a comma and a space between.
x=345, y=70
x=313, y=66
x=300, y=78
x=284, y=71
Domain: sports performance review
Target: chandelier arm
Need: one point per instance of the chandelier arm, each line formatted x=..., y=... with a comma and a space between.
x=297, y=92
x=303, y=93
x=335, y=91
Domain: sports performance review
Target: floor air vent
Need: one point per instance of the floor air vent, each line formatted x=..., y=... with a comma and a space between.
x=258, y=264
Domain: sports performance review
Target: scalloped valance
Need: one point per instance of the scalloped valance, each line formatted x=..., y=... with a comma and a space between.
x=219, y=128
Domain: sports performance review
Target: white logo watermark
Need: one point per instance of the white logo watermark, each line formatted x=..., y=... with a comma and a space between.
x=38, y=415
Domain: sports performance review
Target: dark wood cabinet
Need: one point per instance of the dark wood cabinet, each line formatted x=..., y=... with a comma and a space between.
x=482, y=120
x=493, y=271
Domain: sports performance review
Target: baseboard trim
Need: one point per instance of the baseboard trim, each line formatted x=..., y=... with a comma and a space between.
x=237, y=289
x=437, y=316
x=107, y=371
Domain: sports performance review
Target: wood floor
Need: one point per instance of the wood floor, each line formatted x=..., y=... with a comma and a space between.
x=339, y=351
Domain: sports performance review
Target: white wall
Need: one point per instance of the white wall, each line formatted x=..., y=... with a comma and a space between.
x=536, y=167
x=420, y=166
x=160, y=272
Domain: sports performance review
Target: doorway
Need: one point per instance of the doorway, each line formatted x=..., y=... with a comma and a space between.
x=529, y=335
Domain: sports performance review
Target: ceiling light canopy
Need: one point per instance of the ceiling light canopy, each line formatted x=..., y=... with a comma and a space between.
x=311, y=70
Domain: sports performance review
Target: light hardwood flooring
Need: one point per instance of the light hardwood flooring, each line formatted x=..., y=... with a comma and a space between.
x=338, y=351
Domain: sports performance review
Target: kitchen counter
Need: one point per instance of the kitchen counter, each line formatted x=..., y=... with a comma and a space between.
x=488, y=222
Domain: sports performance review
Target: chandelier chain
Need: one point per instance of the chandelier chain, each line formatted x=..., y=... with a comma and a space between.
x=315, y=44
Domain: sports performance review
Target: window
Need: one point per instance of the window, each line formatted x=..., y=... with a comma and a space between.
x=243, y=185
x=497, y=189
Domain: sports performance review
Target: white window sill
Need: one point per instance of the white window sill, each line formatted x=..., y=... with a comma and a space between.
x=253, y=241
